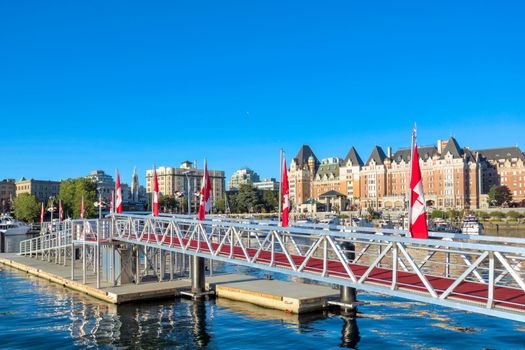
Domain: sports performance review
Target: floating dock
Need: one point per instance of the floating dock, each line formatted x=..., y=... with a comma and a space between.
x=292, y=297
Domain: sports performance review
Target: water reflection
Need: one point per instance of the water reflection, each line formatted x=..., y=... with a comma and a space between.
x=350, y=334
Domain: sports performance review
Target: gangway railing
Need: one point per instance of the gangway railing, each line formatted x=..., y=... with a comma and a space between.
x=474, y=273
x=482, y=274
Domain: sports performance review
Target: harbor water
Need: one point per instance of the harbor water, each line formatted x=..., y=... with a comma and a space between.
x=38, y=314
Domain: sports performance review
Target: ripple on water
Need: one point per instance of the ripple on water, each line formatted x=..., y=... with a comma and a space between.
x=37, y=314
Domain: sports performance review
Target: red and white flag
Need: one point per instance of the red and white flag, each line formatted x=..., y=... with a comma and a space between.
x=111, y=199
x=118, y=195
x=205, y=203
x=82, y=208
x=417, y=211
x=60, y=211
x=286, y=196
x=42, y=214
x=155, y=199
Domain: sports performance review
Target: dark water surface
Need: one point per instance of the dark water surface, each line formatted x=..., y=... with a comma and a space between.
x=37, y=314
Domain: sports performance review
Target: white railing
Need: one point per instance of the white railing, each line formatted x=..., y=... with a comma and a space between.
x=483, y=274
x=476, y=273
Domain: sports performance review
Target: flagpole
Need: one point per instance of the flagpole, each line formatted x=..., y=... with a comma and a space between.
x=409, y=219
x=280, y=184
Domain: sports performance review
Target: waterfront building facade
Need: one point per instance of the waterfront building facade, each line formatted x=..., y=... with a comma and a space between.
x=7, y=194
x=41, y=189
x=174, y=181
x=242, y=177
x=453, y=176
x=301, y=175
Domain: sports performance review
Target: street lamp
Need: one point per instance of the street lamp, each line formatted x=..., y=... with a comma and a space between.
x=52, y=208
x=100, y=204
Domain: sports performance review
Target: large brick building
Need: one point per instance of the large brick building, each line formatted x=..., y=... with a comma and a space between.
x=453, y=177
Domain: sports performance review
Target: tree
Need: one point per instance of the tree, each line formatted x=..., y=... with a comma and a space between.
x=71, y=192
x=26, y=207
x=168, y=203
x=499, y=195
x=270, y=201
x=220, y=206
x=247, y=199
x=372, y=214
x=436, y=213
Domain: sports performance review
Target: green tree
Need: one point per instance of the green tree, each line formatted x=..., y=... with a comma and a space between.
x=220, y=206
x=372, y=214
x=499, y=195
x=26, y=207
x=270, y=201
x=71, y=193
x=247, y=199
x=436, y=213
x=168, y=203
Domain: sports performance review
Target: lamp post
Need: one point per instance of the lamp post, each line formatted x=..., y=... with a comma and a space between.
x=52, y=209
x=100, y=204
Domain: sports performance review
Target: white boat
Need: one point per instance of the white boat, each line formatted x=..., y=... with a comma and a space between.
x=471, y=225
x=12, y=227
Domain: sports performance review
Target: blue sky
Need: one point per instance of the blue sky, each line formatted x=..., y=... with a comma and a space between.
x=103, y=85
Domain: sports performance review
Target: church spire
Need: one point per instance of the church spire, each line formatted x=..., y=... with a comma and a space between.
x=135, y=186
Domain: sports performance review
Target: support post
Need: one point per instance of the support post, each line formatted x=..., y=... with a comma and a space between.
x=197, y=276
x=72, y=261
x=348, y=294
x=84, y=263
x=171, y=266
x=113, y=263
x=137, y=263
x=2, y=242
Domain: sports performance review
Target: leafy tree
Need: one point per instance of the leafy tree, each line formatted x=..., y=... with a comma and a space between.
x=270, y=200
x=169, y=203
x=247, y=199
x=436, y=213
x=220, y=206
x=71, y=193
x=26, y=207
x=372, y=214
x=499, y=195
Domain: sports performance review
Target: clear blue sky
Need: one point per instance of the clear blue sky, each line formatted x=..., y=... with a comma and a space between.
x=104, y=84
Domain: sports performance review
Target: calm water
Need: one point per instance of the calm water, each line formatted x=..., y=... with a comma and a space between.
x=38, y=314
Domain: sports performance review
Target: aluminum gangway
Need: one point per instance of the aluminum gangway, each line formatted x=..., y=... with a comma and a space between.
x=482, y=274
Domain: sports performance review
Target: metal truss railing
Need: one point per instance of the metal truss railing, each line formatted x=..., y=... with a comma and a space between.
x=482, y=274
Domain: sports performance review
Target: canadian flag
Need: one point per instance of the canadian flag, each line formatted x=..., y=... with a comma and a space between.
x=118, y=195
x=417, y=211
x=60, y=211
x=82, y=208
x=286, y=196
x=111, y=199
x=205, y=203
x=42, y=214
x=155, y=193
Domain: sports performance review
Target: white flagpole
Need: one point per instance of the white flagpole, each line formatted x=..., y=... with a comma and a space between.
x=280, y=185
x=410, y=179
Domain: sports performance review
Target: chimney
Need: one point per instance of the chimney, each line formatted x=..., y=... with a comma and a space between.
x=439, y=146
x=194, y=164
x=389, y=152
